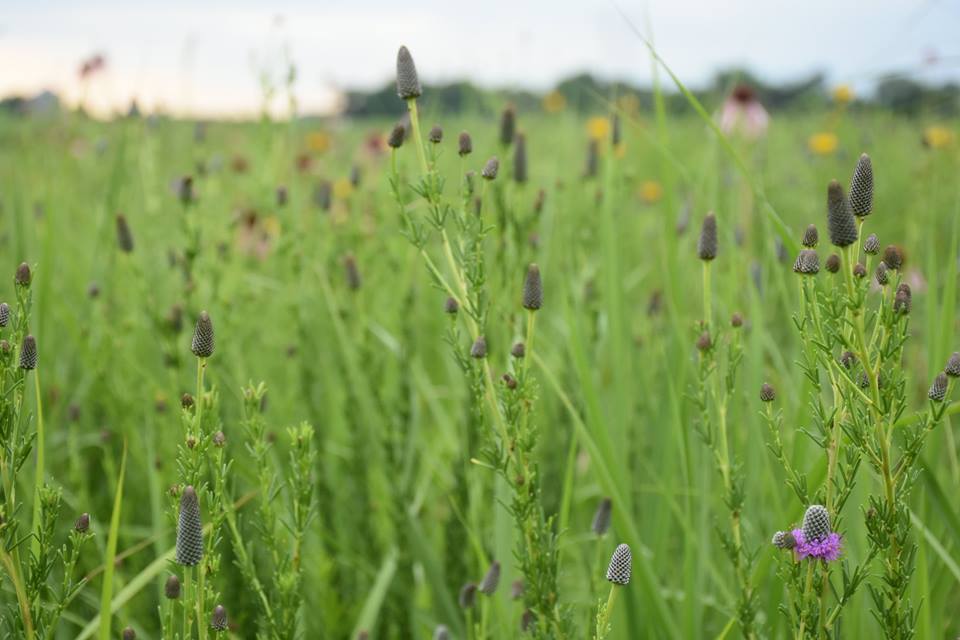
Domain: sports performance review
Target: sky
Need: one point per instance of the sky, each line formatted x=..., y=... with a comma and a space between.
x=208, y=58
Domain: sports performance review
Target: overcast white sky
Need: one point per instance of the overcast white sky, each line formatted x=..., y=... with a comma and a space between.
x=202, y=57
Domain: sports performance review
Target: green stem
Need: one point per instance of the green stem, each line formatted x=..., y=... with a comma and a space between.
x=38, y=486
x=187, y=580
x=603, y=620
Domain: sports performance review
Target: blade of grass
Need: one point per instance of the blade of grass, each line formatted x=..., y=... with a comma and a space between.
x=106, y=593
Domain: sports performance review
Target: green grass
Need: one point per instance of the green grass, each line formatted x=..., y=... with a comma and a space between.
x=403, y=515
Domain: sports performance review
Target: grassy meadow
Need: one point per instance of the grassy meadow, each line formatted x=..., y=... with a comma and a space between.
x=357, y=464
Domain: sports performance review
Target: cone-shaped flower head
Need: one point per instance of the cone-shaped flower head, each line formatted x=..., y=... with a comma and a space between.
x=861, y=187
x=479, y=348
x=508, y=126
x=491, y=169
x=881, y=274
x=811, y=237
x=767, y=392
x=82, y=525
x=397, y=134
x=464, y=144
x=938, y=390
x=520, y=159
x=903, y=300
x=203, y=339
x=436, y=134
x=28, y=353
x=532, y=289
x=124, y=234
x=953, y=365
x=871, y=246
x=784, y=540
x=832, y=263
x=23, y=277
x=893, y=257
x=408, y=82
x=468, y=595
x=4, y=314
x=451, y=306
x=189, y=530
x=601, y=519
x=807, y=263
x=816, y=523
x=491, y=580
x=441, y=632
x=859, y=271
x=840, y=221
x=171, y=589
x=218, y=620
x=518, y=350
x=621, y=564
x=707, y=243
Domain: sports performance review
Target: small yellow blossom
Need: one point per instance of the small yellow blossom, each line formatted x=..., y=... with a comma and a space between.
x=938, y=137
x=629, y=104
x=554, y=102
x=318, y=141
x=650, y=191
x=598, y=128
x=823, y=143
x=342, y=189
x=843, y=94
x=271, y=226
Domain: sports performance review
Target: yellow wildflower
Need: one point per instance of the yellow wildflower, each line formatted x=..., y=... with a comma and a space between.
x=823, y=143
x=650, y=191
x=598, y=128
x=938, y=137
x=554, y=102
x=843, y=94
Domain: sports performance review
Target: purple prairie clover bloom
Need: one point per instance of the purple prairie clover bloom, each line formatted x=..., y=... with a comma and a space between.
x=827, y=549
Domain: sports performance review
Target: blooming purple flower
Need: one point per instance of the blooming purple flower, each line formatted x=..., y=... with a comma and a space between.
x=742, y=112
x=827, y=548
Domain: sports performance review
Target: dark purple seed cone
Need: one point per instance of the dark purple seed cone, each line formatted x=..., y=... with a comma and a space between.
x=436, y=134
x=4, y=314
x=902, y=301
x=352, y=272
x=847, y=359
x=601, y=519
x=532, y=289
x=441, y=632
x=871, y=246
x=397, y=134
x=468, y=596
x=129, y=634
x=508, y=126
x=893, y=257
x=464, y=144
x=203, y=337
x=840, y=221
x=736, y=320
x=478, y=349
x=807, y=263
x=707, y=243
x=490, y=169
x=282, y=196
x=520, y=159
x=832, y=263
x=516, y=589
x=218, y=620
x=491, y=580
x=28, y=353
x=859, y=270
x=323, y=195
x=518, y=351
x=451, y=306
x=189, y=550
x=767, y=392
x=784, y=540
x=811, y=237
x=171, y=588
x=938, y=390
x=881, y=274
x=82, y=525
x=408, y=82
x=953, y=365
x=861, y=187
x=621, y=565
x=23, y=277
x=124, y=234
x=704, y=342
x=816, y=523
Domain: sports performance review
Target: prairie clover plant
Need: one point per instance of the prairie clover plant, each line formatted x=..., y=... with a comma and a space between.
x=32, y=556
x=500, y=416
x=853, y=343
x=721, y=353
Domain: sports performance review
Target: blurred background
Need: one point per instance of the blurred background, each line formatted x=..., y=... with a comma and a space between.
x=229, y=60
